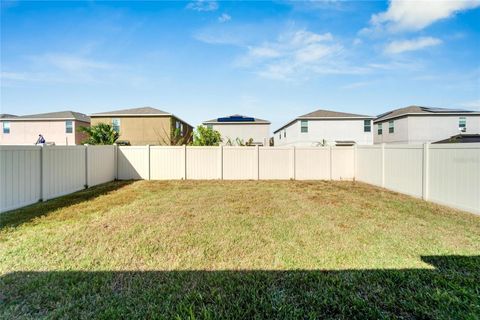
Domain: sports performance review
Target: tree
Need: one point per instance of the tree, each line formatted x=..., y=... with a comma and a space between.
x=101, y=133
x=205, y=136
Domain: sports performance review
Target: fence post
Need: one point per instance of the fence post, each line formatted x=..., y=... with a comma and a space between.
x=115, y=160
x=220, y=162
x=292, y=162
x=383, y=165
x=354, y=162
x=43, y=173
x=148, y=161
x=330, y=161
x=257, y=158
x=425, y=171
x=185, y=162
x=86, y=166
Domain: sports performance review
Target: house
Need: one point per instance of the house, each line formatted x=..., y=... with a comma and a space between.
x=415, y=124
x=143, y=126
x=236, y=128
x=59, y=128
x=325, y=127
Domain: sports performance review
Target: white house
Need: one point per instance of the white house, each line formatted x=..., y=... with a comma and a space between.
x=242, y=128
x=415, y=125
x=324, y=127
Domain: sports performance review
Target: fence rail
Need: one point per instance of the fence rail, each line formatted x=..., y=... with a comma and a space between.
x=446, y=174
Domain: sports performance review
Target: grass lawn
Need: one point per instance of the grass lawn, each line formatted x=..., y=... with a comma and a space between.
x=240, y=249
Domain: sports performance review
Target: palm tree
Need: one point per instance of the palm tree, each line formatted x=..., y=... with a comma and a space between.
x=101, y=133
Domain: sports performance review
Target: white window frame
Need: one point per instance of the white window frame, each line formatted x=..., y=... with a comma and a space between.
x=391, y=126
x=116, y=124
x=367, y=125
x=462, y=124
x=303, y=125
x=68, y=126
x=6, y=127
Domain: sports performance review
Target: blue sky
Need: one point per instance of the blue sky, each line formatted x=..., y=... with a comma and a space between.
x=273, y=60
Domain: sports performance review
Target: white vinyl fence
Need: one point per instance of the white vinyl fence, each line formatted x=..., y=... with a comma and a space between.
x=448, y=174
x=29, y=174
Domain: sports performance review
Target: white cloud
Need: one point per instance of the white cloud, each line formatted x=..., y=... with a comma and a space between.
x=298, y=54
x=203, y=5
x=72, y=63
x=413, y=15
x=400, y=46
x=224, y=18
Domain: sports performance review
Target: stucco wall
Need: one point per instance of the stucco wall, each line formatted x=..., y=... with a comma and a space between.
x=143, y=130
x=328, y=130
x=400, y=134
x=260, y=133
x=26, y=132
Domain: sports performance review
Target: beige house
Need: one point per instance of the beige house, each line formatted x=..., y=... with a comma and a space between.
x=415, y=124
x=59, y=128
x=143, y=126
x=242, y=128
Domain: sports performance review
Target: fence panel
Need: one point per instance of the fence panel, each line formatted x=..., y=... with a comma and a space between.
x=239, y=163
x=312, y=163
x=404, y=169
x=343, y=163
x=167, y=163
x=454, y=175
x=275, y=163
x=100, y=164
x=369, y=164
x=20, y=170
x=63, y=170
x=132, y=163
x=203, y=163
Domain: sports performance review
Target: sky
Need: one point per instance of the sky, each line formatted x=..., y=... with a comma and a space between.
x=272, y=60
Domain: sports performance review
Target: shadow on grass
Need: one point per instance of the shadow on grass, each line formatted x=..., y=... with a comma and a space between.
x=450, y=291
x=17, y=217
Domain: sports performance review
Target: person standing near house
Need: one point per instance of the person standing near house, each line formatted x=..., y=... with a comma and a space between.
x=40, y=140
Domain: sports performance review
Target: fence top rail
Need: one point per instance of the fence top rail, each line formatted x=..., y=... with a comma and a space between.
x=19, y=148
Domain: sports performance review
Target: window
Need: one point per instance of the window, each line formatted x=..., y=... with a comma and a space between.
x=209, y=126
x=462, y=124
x=284, y=133
x=116, y=125
x=304, y=126
x=391, y=127
x=367, y=126
x=379, y=129
x=280, y=136
x=6, y=127
x=68, y=126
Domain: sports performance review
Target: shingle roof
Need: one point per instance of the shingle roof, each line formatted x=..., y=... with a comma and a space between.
x=67, y=115
x=418, y=110
x=7, y=115
x=332, y=114
x=237, y=118
x=326, y=114
x=133, y=111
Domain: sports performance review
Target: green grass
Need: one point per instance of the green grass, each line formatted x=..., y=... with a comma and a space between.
x=240, y=249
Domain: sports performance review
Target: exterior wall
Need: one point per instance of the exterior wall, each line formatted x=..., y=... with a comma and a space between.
x=26, y=132
x=422, y=129
x=328, y=130
x=400, y=134
x=260, y=133
x=154, y=130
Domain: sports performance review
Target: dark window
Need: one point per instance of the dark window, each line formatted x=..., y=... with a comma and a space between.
x=391, y=127
x=116, y=125
x=6, y=127
x=367, y=125
x=462, y=124
x=304, y=126
x=68, y=126
x=379, y=129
